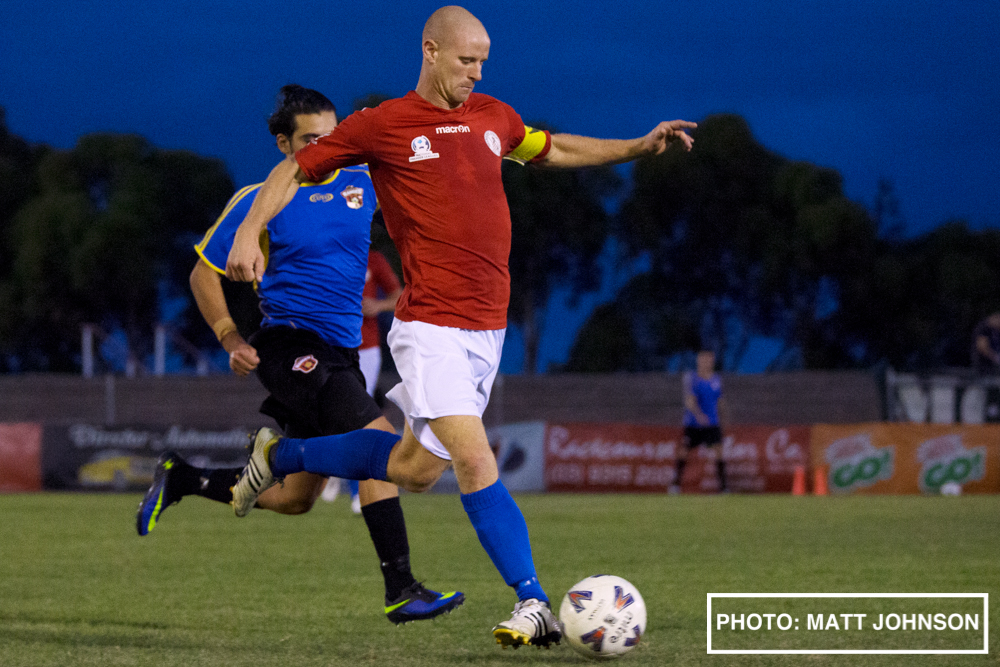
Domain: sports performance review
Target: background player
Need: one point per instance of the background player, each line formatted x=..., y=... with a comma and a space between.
x=705, y=413
x=382, y=291
x=435, y=157
x=305, y=353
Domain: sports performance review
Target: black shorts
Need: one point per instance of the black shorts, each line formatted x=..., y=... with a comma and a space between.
x=702, y=435
x=316, y=388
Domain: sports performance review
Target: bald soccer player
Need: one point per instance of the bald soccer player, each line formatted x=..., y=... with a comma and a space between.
x=434, y=157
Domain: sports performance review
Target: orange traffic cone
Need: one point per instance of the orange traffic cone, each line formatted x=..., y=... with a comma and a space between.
x=799, y=481
x=819, y=483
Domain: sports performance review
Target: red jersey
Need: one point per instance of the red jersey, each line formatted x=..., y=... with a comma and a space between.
x=379, y=276
x=437, y=176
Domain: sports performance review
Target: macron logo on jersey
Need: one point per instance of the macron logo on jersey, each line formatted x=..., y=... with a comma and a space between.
x=452, y=129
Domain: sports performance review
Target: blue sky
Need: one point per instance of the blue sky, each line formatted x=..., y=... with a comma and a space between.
x=902, y=90
x=907, y=91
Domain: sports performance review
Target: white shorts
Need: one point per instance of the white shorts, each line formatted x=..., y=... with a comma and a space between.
x=370, y=359
x=445, y=371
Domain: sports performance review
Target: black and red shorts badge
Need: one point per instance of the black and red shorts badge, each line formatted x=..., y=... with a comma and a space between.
x=305, y=364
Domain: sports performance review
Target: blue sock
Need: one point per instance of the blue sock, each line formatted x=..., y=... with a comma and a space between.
x=353, y=484
x=504, y=534
x=361, y=454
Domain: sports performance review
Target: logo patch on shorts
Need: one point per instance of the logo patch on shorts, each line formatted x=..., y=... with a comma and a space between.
x=305, y=364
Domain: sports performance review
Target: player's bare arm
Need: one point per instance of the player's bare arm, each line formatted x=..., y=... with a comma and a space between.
x=246, y=261
x=571, y=151
x=206, y=285
x=373, y=307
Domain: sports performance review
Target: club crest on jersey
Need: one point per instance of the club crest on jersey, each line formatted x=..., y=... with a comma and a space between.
x=493, y=141
x=622, y=600
x=576, y=597
x=421, y=147
x=321, y=197
x=354, y=196
x=305, y=364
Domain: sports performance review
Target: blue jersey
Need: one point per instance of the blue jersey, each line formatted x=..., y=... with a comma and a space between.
x=707, y=394
x=317, y=254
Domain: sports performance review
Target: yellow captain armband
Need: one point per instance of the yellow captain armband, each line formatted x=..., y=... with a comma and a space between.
x=224, y=327
x=535, y=143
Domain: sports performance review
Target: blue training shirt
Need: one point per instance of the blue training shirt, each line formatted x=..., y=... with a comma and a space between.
x=316, y=250
x=707, y=393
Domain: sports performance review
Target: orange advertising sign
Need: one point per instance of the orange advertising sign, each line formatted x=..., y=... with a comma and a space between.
x=908, y=458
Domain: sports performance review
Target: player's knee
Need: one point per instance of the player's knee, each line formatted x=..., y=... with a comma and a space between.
x=476, y=468
x=294, y=506
x=419, y=481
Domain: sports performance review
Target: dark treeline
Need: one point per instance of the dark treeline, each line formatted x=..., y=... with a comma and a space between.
x=741, y=243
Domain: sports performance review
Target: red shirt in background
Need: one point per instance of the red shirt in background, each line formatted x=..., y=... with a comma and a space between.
x=379, y=276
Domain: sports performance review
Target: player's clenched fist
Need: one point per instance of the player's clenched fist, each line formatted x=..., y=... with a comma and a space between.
x=246, y=261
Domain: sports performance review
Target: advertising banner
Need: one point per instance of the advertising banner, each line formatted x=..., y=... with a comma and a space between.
x=642, y=459
x=610, y=457
x=123, y=458
x=763, y=459
x=20, y=457
x=908, y=458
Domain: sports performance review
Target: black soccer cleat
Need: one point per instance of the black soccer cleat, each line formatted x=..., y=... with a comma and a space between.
x=159, y=497
x=417, y=603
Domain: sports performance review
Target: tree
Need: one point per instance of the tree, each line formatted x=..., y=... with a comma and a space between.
x=920, y=299
x=743, y=243
x=112, y=218
x=558, y=228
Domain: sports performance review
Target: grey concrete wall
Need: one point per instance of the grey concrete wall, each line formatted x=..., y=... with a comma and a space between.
x=649, y=398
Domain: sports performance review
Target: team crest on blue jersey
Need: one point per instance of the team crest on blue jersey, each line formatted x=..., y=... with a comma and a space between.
x=622, y=600
x=576, y=597
x=305, y=364
x=354, y=196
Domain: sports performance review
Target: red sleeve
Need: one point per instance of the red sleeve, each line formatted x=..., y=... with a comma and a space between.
x=516, y=132
x=346, y=146
x=385, y=277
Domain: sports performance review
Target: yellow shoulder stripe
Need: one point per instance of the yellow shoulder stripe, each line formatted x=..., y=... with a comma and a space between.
x=235, y=199
x=533, y=144
x=264, y=246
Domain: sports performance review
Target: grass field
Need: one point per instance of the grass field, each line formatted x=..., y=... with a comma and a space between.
x=78, y=587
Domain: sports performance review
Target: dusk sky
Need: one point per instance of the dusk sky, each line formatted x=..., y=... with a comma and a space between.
x=902, y=90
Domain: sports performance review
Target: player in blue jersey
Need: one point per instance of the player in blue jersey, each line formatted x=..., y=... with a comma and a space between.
x=705, y=412
x=305, y=352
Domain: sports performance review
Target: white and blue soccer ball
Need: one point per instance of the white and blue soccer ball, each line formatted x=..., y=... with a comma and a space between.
x=603, y=616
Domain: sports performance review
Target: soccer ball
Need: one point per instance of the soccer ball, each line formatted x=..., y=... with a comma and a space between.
x=603, y=616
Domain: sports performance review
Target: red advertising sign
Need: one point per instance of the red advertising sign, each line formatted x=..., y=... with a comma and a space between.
x=632, y=458
x=610, y=457
x=762, y=459
x=20, y=457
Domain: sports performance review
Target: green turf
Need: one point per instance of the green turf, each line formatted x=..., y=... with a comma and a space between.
x=78, y=587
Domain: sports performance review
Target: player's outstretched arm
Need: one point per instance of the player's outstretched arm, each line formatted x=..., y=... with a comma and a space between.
x=246, y=261
x=206, y=286
x=571, y=151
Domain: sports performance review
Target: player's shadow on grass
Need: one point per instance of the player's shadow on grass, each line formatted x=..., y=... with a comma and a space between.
x=94, y=632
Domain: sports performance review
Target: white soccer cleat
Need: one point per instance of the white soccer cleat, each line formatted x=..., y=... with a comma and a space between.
x=356, y=504
x=256, y=476
x=532, y=622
